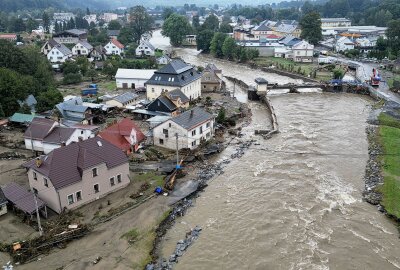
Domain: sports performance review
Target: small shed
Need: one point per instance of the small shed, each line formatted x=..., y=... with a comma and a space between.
x=20, y=118
x=23, y=200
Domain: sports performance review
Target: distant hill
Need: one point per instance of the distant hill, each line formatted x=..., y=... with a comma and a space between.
x=15, y=5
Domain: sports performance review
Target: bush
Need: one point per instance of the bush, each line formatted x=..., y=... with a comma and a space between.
x=72, y=78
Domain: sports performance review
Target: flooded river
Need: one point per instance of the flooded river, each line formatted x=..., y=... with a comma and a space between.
x=294, y=201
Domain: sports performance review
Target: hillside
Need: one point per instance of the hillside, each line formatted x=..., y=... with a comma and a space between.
x=15, y=5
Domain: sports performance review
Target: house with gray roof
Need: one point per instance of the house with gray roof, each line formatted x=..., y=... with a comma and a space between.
x=192, y=128
x=123, y=100
x=170, y=103
x=82, y=48
x=79, y=173
x=59, y=54
x=145, y=48
x=72, y=112
x=176, y=75
x=46, y=48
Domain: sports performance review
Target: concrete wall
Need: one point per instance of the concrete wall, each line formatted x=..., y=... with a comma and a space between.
x=3, y=209
x=58, y=200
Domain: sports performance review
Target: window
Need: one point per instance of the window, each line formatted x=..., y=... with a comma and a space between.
x=94, y=172
x=34, y=176
x=208, y=125
x=45, y=181
x=35, y=191
x=70, y=199
x=78, y=196
x=193, y=143
x=165, y=132
x=161, y=141
x=170, y=125
x=201, y=130
x=193, y=132
x=152, y=90
x=208, y=135
x=119, y=178
x=96, y=188
x=112, y=181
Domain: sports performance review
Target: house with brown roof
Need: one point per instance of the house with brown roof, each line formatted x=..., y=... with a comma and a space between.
x=114, y=47
x=125, y=135
x=79, y=173
x=45, y=135
x=169, y=103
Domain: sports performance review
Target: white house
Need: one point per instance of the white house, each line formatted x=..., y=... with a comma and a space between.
x=45, y=135
x=176, y=75
x=132, y=78
x=145, y=49
x=344, y=44
x=282, y=52
x=82, y=48
x=59, y=54
x=46, y=48
x=114, y=47
x=335, y=22
x=192, y=127
x=303, y=52
x=163, y=60
x=90, y=18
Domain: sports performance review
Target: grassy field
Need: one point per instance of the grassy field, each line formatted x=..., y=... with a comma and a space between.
x=389, y=134
x=152, y=178
x=390, y=81
x=107, y=86
x=304, y=68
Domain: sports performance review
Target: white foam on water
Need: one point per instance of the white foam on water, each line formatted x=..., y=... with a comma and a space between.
x=379, y=226
x=360, y=236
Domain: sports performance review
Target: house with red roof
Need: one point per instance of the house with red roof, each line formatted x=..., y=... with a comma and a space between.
x=114, y=47
x=125, y=134
x=10, y=37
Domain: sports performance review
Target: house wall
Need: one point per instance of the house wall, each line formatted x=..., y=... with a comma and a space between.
x=3, y=209
x=53, y=198
x=303, y=55
x=137, y=81
x=86, y=185
x=112, y=49
x=78, y=49
x=185, y=138
x=47, y=194
x=85, y=134
x=191, y=90
x=37, y=144
x=144, y=50
x=55, y=56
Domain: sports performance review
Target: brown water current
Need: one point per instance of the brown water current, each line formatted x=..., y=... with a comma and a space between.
x=294, y=201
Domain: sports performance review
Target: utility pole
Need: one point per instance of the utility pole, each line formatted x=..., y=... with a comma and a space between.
x=234, y=88
x=177, y=152
x=37, y=213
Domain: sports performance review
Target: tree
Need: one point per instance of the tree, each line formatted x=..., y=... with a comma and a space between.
x=216, y=44
x=221, y=117
x=46, y=22
x=71, y=24
x=114, y=25
x=338, y=73
x=393, y=35
x=72, y=78
x=196, y=22
x=225, y=28
x=57, y=27
x=203, y=40
x=141, y=22
x=211, y=23
x=229, y=48
x=125, y=35
x=87, y=11
x=92, y=74
x=307, y=7
x=47, y=100
x=311, y=27
x=167, y=12
x=31, y=24
x=176, y=27
x=70, y=67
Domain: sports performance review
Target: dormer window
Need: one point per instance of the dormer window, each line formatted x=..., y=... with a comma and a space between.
x=94, y=172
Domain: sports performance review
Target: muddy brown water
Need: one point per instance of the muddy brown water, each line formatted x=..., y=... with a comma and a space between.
x=294, y=201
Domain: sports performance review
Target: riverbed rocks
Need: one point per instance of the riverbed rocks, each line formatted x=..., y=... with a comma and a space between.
x=373, y=177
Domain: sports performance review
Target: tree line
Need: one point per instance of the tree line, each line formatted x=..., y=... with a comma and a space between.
x=24, y=71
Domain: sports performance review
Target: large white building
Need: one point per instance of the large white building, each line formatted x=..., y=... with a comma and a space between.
x=192, y=127
x=335, y=22
x=176, y=75
x=132, y=78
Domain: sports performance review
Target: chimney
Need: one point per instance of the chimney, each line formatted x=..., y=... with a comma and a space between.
x=191, y=113
x=80, y=139
x=38, y=162
x=63, y=144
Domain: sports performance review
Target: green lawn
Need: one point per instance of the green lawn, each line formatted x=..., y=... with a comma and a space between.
x=390, y=81
x=387, y=120
x=109, y=86
x=152, y=178
x=390, y=140
x=305, y=68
